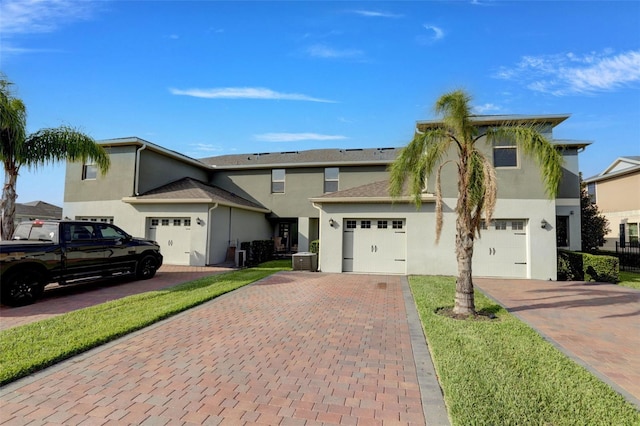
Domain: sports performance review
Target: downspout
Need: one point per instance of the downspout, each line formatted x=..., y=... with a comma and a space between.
x=136, y=185
x=319, y=233
x=206, y=249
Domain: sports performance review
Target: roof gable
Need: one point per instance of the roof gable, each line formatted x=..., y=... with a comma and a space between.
x=621, y=166
x=188, y=191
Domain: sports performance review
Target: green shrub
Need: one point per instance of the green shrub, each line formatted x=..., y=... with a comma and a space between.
x=314, y=247
x=576, y=266
x=261, y=251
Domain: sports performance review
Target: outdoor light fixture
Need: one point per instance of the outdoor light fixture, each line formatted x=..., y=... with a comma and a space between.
x=543, y=224
x=331, y=222
x=199, y=221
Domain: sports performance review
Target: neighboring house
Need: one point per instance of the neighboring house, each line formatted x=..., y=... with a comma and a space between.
x=37, y=210
x=198, y=209
x=616, y=191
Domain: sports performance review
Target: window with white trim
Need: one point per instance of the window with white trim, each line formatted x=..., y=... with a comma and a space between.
x=331, y=179
x=351, y=224
x=89, y=171
x=505, y=154
x=277, y=181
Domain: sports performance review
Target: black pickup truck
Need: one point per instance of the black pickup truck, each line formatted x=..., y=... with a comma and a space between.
x=65, y=251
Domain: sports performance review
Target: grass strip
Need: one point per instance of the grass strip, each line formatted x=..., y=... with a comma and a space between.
x=32, y=347
x=501, y=372
x=629, y=279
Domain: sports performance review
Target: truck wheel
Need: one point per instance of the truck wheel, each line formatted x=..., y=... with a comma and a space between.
x=147, y=267
x=22, y=287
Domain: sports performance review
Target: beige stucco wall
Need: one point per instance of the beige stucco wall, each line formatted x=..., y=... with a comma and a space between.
x=300, y=185
x=618, y=200
x=619, y=194
x=231, y=226
x=157, y=170
x=116, y=183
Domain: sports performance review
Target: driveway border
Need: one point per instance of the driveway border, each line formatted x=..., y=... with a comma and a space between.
x=433, y=405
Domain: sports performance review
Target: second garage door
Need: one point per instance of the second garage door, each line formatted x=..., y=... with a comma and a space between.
x=174, y=236
x=502, y=250
x=374, y=246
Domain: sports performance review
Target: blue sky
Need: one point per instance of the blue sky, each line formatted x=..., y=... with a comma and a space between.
x=208, y=78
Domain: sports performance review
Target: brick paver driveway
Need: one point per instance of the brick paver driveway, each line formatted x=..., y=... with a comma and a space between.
x=293, y=349
x=596, y=324
x=61, y=299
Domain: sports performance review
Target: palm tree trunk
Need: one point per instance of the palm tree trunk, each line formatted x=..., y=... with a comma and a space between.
x=465, y=302
x=9, y=196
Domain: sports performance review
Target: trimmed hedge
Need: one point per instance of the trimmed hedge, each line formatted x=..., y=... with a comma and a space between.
x=258, y=251
x=314, y=247
x=577, y=266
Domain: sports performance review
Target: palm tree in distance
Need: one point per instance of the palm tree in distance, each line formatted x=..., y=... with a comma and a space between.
x=477, y=183
x=17, y=149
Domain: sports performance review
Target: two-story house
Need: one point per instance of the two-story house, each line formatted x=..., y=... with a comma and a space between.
x=616, y=191
x=198, y=209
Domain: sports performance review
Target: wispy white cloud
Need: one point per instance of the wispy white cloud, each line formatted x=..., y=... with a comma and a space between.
x=376, y=14
x=433, y=34
x=437, y=31
x=37, y=16
x=296, y=137
x=205, y=147
x=485, y=108
x=570, y=73
x=324, y=51
x=245, y=93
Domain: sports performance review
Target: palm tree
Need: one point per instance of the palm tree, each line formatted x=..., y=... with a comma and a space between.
x=477, y=183
x=17, y=149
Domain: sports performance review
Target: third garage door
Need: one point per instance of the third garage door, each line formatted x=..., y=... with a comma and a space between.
x=374, y=246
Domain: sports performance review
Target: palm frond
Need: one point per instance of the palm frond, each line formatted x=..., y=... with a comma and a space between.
x=63, y=143
x=454, y=107
x=416, y=162
x=13, y=122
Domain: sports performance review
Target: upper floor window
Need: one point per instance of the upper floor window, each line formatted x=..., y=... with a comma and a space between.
x=505, y=154
x=331, y=179
x=277, y=181
x=89, y=171
x=591, y=190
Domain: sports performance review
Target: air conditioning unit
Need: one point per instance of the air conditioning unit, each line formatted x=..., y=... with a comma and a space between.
x=305, y=261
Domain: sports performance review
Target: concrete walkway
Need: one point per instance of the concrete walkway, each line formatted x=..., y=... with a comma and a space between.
x=595, y=324
x=293, y=349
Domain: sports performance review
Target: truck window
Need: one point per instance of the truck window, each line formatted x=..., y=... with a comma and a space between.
x=37, y=232
x=110, y=232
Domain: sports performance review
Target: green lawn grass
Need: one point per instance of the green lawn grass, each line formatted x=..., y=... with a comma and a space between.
x=31, y=347
x=501, y=372
x=630, y=279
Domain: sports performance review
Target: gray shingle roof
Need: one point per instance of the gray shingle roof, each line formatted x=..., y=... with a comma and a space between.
x=375, y=192
x=308, y=158
x=38, y=210
x=193, y=189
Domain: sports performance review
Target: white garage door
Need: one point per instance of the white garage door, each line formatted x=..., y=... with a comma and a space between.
x=174, y=236
x=502, y=250
x=374, y=246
